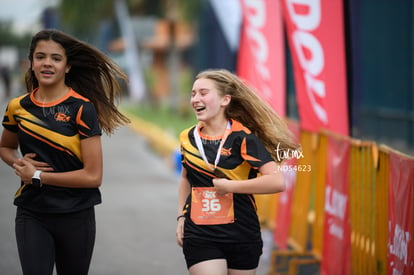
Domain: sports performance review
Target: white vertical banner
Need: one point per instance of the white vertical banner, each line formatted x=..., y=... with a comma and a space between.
x=228, y=14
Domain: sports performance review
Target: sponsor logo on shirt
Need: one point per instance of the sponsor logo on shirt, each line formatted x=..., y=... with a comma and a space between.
x=62, y=117
x=225, y=152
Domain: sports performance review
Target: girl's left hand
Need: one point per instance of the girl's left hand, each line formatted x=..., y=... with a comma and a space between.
x=222, y=186
x=25, y=170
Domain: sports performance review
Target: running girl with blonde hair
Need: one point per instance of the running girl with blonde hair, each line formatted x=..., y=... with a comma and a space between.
x=227, y=157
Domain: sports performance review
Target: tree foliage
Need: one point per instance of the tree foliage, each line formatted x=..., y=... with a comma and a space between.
x=10, y=38
x=82, y=17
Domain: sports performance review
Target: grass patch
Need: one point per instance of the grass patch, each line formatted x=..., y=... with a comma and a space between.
x=170, y=121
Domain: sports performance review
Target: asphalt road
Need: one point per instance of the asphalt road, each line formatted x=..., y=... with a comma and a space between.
x=136, y=221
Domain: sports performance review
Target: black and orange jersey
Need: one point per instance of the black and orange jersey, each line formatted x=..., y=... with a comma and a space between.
x=241, y=157
x=53, y=131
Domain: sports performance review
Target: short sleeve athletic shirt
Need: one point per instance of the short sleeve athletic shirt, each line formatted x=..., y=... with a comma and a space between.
x=53, y=131
x=241, y=157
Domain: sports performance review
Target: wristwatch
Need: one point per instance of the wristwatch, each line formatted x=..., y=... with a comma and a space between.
x=36, y=179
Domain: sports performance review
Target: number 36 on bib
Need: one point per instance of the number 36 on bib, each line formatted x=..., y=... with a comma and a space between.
x=209, y=208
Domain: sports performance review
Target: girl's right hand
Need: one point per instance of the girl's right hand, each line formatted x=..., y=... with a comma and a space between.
x=179, y=232
x=39, y=165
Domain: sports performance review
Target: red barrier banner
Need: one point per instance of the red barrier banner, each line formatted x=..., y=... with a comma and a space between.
x=282, y=219
x=400, y=213
x=315, y=33
x=261, y=56
x=336, y=251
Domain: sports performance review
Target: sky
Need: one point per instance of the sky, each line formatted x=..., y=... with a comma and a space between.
x=24, y=14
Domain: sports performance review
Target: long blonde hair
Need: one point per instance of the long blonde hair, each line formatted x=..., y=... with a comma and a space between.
x=253, y=112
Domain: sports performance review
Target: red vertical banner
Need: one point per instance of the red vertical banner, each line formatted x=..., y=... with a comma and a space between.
x=400, y=213
x=336, y=251
x=283, y=215
x=261, y=56
x=315, y=32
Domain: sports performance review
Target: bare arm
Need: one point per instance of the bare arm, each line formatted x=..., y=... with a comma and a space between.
x=90, y=176
x=8, y=147
x=9, y=154
x=184, y=190
x=270, y=181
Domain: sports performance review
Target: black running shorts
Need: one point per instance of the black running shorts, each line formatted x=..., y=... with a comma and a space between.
x=242, y=256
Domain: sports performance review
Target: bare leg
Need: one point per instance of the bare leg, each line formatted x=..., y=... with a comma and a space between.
x=216, y=267
x=242, y=272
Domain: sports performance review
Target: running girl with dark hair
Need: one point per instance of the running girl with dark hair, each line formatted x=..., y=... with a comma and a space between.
x=71, y=96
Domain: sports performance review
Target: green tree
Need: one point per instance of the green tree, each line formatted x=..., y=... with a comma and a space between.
x=9, y=38
x=82, y=17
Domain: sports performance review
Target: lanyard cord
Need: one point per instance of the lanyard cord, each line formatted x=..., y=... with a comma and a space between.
x=201, y=148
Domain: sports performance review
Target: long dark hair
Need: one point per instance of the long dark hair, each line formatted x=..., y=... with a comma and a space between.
x=92, y=74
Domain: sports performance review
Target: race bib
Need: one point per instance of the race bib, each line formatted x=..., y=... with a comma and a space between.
x=209, y=208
